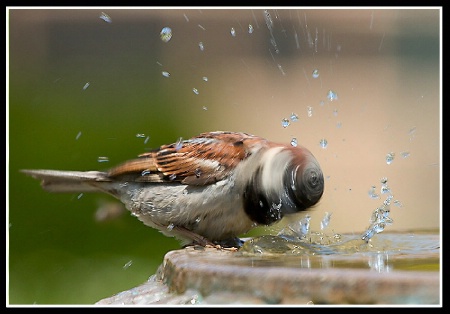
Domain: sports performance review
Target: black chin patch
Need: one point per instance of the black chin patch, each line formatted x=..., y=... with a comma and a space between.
x=256, y=205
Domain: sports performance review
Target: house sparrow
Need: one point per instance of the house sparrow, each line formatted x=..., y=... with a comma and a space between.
x=208, y=189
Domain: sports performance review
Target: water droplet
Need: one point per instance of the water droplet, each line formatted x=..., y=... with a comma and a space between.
x=165, y=74
x=205, y=78
x=78, y=135
x=368, y=234
x=86, y=86
x=304, y=229
x=325, y=221
x=390, y=157
x=102, y=159
x=196, y=299
x=294, y=117
x=268, y=19
x=128, y=264
x=197, y=172
x=398, y=203
x=405, y=154
x=332, y=95
x=339, y=125
x=379, y=227
x=315, y=73
x=294, y=142
x=80, y=195
x=140, y=135
x=201, y=46
x=323, y=143
x=412, y=133
x=233, y=32
x=196, y=92
x=179, y=144
x=105, y=17
x=145, y=172
x=310, y=111
x=146, y=139
x=281, y=69
x=385, y=189
x=285, y=123
x=166, y=34
x=250, y=28
x=170, y=227
x=384, y=180
x=372, y=193
x=387, y=201
x=205, y=108
x=335, y=112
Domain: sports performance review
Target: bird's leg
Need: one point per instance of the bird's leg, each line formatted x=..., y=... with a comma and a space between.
x=196, y=238
x=229, y=243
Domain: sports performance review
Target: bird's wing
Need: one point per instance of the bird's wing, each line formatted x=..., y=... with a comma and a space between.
x=204, y=159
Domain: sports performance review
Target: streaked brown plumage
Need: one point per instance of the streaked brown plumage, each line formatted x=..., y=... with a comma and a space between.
x=207, y=189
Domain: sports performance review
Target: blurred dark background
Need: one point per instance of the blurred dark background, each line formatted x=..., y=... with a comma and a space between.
x=81, y=87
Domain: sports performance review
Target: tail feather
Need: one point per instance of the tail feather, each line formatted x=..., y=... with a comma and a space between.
x=60, y=181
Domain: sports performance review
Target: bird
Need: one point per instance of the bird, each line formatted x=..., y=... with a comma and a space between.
x=205, y=190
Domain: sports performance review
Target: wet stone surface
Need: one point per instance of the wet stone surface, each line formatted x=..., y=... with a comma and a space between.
x=197, y=276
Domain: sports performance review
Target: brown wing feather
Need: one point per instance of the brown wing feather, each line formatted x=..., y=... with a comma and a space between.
x=204, y=159
x=140, y=170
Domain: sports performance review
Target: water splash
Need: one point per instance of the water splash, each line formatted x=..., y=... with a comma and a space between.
x=315, y=73
x=294, y=142
x=390, y=158
x=285, y=123
x=166, y=34
x=323, y=143
x=105, y=17
x=331, y=95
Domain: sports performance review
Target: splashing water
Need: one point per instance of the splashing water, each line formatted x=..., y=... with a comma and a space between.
x=325, y=221
x=294, y=117
x=294, y=142
x=390, y=158
x=166, y=34
x=380, y=216
x=331, y=96
x=315, y=73
x=105, y=17
x=285, y=123
x=297, y=238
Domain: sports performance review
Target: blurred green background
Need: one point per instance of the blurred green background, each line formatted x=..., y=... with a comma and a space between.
x=80, y=88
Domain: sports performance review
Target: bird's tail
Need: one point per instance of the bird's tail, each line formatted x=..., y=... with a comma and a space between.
x=59, y=181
